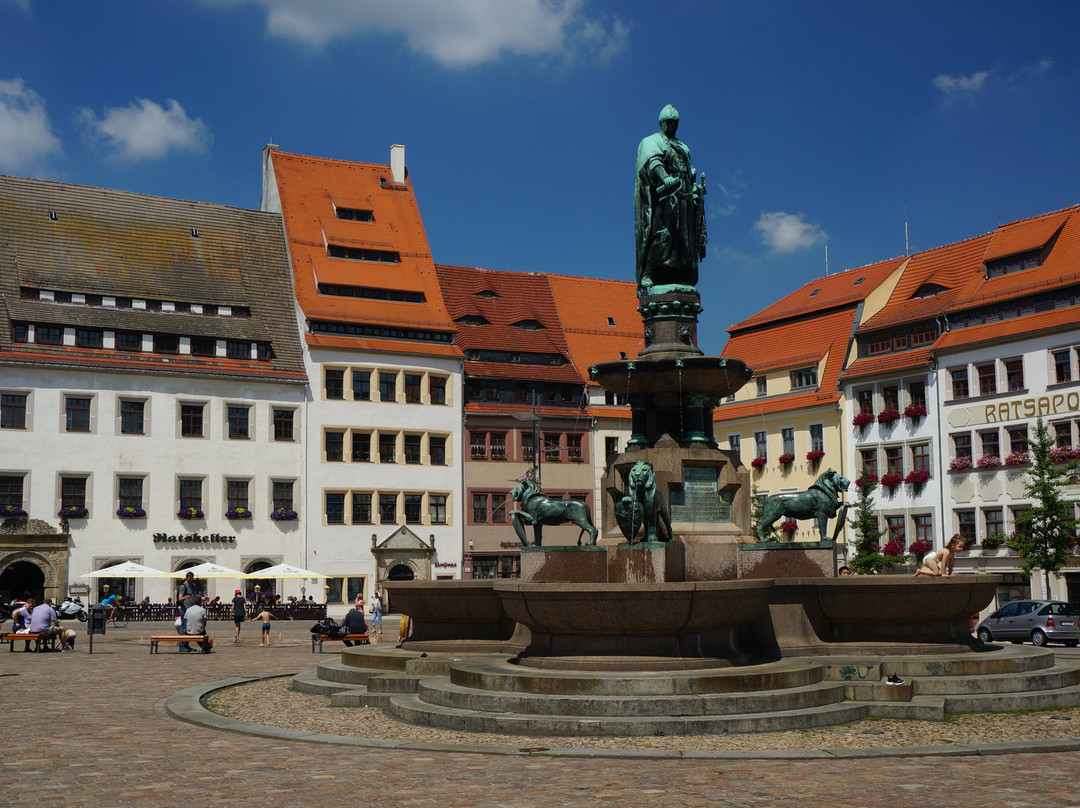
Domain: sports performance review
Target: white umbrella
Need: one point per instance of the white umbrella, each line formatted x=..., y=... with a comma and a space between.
x=285, y=571
x=206, y=570
x=128, y=569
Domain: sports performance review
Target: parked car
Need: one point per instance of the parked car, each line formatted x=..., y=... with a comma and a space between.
x=1041, y=621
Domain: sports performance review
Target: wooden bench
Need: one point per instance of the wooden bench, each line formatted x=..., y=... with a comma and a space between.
x=42, y=642
x=319, y=639
x=176, y=638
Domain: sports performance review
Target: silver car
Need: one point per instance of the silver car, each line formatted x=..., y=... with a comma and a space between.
x=1041, y=621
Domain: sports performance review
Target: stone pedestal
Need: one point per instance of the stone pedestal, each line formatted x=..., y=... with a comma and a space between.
x=586, y=564
x=647, y=563
x=642, y=563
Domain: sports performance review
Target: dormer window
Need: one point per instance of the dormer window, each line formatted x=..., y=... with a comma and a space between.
x=1014, y=263
x=528, y=325
x=804, y=377
x=355, y=214
x=929, y=290
x=487, y=294
x=471, y=319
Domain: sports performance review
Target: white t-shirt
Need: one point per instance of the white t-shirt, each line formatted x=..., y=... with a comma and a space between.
x=196, y=619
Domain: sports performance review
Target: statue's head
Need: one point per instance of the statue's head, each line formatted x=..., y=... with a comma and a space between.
x=669, y=120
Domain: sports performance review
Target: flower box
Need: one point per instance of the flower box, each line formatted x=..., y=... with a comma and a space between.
x=190, y=513
x=888, y=417
x=283, y=515
x=917, y=478
x=815, y=455
x=863, y=419
x=1018, y=459
x=787, y=459
x=919, y=548
x=891, y=480
x=961, y=463
x=993, y=542
x=988, y=462
x=789, y=526
x=894, y=548
x=869, y=480
x=1063, y=454
x=73, y=512
x=238, y=513
x=7, y=511
x=914, y=411
x=758, y=462
x=131, y=513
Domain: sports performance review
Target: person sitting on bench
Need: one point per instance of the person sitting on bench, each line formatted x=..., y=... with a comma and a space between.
x=196, y=624
x=353, y=623
x=45, y=623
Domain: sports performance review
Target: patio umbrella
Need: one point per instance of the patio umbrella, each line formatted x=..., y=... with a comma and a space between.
x=206, y=570
x=285, y=571
x=127, y=569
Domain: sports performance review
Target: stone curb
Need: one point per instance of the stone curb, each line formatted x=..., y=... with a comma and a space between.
x=186, y=705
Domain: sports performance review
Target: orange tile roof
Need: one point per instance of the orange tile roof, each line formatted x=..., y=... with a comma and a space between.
x=1007, y=329
x=890, y=363
x=310, y=188
x=375, y=345
x=842, y=289
x=584, y=305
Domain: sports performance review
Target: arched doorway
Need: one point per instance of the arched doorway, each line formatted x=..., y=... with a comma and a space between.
x=22, y=580
x=400, y=572
x=260, y=590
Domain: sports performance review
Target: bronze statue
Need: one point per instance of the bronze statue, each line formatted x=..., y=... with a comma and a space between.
x=538, y=510
x=643, y=505
x=820, y=502
x=669, y=211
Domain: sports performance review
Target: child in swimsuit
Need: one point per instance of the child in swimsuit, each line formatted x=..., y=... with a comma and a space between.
x=939, y=563
x=265, y=616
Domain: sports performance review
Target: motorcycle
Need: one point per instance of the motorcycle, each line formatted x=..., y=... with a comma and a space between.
x=72, y=610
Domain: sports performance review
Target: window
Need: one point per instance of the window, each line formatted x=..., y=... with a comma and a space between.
x=611, y=446
x=866, y=401
x=498, y=445
x=498, y=509
x=1063, y=366
x=995, y=521
x=11, y=490
x=191, y=420
x=128, y=341
x=1018, y=439
x=869, y=461
x=334, y=442
x=387, y=387
x=1014, y=374
x=238, y=422
x=965, y=525
x=236, y=494
x=573, y=448
x=166, y=343
x=762, y=386
x=361, y=509
x=283, y=425
x=1063, y=434
x=388, y=509
x=987, y=379
x=88, y=337
x=283, y=495
x=924, y=527
x=962, y=445
x=335, y=383
x=190, y=493
x=412, y=388
x=361, y=385
x=528, y=451
x=203, y=346
x=237, y=350
x=917, y=394
x=132, y=417
x=491, y=391
x=787, y=437
x=804, y=377
x=412, y=450
x=549, y=394
x=130, y=492
x=355, y=214
x=891, y=395
x=552, y=447
x=413, y=509
x=361, y=254
x=991, y=445
x=959, y=382
x=77, y=413
x=480, y=508
x=49, y=335
x=387, y=447
x=923, y=335
x=894, y=459
x=335, y=508
x=437, y=388
x=880, y=342
x=13, y=411
x=489, y=508
x=437, y=450
x=73, y=492
x=361, y=447
x=895, y=527
x=817, y=437
x=761, y=447
x=437, y=508
x=920, y=457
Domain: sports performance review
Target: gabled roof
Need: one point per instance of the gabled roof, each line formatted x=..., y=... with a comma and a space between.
x=600, y=319
x=77, y=240
x=311, y=191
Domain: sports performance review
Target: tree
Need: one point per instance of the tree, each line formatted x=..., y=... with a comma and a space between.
x=757, y=501
x=1045, y=529
x=868, y=559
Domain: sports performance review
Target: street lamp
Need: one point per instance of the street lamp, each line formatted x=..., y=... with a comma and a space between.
x=534, y=418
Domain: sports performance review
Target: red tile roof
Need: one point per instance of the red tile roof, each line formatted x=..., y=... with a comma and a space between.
x=585, y=306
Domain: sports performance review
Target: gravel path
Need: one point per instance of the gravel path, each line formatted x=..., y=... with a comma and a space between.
x=272, y=702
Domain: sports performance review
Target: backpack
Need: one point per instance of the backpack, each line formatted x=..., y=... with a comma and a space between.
x=327, y=625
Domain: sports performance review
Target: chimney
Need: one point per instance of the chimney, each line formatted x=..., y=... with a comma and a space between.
x=397, y=164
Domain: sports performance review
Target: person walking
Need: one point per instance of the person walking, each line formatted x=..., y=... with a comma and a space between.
x=184, y=595
x=239, y=613
x=264, y=616
x=376, y=612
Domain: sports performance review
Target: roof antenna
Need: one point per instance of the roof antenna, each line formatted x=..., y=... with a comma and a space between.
x=907, y=246
x=826, y=259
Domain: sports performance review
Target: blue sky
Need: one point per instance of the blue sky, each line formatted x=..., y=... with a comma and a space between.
x=816, y=122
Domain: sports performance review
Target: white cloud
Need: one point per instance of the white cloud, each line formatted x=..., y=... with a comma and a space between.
x=455, y=34
x=26, y=135
x=145, y=130
x=731, y=193
x=787, y=232
x=952, y=86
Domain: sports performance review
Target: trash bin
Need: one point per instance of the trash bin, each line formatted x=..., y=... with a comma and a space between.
x=95, y=622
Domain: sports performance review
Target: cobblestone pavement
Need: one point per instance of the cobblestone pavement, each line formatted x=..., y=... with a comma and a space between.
x=91, y=730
